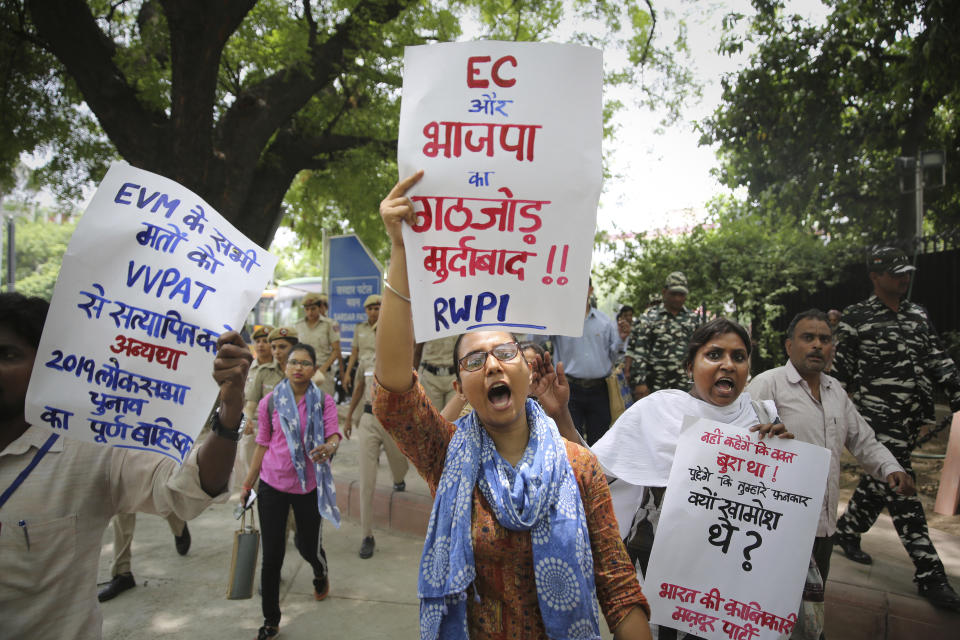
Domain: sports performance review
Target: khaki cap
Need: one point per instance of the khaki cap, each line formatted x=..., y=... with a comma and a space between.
x=314, y=298
x=372, y=299
x=262, y=332
x=287, y=333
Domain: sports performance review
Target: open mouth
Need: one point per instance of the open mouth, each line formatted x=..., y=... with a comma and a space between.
x=724, y=386
x=499, y=395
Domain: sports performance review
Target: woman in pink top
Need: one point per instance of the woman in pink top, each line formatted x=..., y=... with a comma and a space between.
x=292, y=461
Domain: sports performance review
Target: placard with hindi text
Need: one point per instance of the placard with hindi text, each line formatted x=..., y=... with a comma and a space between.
x=509, y=137
x=736, y=531
x=151, y=278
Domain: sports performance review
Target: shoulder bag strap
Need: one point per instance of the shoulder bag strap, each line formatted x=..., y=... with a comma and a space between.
x=29, y=468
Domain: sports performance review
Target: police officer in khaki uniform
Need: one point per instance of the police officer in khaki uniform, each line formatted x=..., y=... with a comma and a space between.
x=372, y=436
x=268, y=375
x=323, y=334
x=262, y=356
x=124, y=524
x=364, y=337
x=434, y=360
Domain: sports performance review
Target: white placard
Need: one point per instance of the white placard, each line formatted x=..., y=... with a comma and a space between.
x=508, y=134
x=735, y=535
x=152, y=276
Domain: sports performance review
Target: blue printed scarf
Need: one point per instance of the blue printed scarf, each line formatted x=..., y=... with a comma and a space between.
x=541, y=496
x=286, y=406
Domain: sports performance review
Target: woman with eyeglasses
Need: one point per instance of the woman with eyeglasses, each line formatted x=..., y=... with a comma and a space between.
x=522, y=541
x=292, y=462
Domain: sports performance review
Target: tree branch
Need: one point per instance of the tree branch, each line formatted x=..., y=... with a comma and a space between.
x=653, y=28
x=198, y=33
x=70, y=32
x=268, y=105
x=289, y=153
x=311, y=23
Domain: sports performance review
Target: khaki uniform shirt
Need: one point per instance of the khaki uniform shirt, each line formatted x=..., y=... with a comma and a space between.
x=251, y=376
x=267, y=377
x=365, y=337
x=48, y=588
x=439, y=352
x=321, y=336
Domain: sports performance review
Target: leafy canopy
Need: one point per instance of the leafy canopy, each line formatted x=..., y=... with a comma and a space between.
x=240, y=100
x=813, y=125
x=739, y=264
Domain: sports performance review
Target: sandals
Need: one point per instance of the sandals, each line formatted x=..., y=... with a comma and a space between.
x=266, y=632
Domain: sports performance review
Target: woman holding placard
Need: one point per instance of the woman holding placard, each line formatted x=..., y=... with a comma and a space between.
x=297, y=437
x=521, y=541
x=639, y=448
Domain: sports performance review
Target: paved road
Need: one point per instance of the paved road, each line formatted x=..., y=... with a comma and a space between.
x=376, y=598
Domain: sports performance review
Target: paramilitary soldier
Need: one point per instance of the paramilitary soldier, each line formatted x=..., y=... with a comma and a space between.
x=890, y=358
x=659, y=340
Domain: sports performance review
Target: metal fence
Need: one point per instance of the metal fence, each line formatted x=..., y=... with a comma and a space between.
x=936, y=285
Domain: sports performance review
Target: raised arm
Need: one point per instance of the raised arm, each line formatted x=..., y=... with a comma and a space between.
x=215, y=457
x=394, y=367
x=549, y=385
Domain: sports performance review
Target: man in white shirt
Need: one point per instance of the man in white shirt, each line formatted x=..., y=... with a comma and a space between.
x=815, y=408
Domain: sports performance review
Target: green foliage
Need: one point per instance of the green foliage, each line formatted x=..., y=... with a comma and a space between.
x=345, y=198
x=813, y=125
x=40, y=247
x=297, y=260
x=336, y=142
x=739, y=264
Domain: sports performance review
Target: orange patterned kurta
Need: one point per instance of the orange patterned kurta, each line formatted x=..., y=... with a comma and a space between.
x=508, y=607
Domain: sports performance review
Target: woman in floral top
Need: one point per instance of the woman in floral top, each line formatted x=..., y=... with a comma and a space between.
x=522, y=540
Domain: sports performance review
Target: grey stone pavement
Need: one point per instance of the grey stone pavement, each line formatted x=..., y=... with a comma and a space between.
x=186, y=596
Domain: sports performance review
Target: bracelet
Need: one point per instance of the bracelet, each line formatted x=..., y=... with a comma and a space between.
x=247, y=487
x=397, y=293
x=233, y=435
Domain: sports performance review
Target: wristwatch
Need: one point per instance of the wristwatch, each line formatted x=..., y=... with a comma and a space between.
x=229, y=434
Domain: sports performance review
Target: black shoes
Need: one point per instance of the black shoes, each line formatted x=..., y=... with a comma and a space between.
x=121, y=583
x=182, y=541
x=851, y=549
x=366, y=547
x=400, y=486
x=265, y=632
x=321, y=587
x=940, y=594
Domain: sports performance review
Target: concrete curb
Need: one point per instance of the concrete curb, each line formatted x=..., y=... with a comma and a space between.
x=400, y=512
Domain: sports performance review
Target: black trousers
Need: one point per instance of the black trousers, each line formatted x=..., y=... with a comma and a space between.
x=590, y=409
x=273, y=507
x=822, y=550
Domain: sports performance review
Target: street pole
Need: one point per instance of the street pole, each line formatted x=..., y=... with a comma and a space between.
x=918, y=193
x=11, y=255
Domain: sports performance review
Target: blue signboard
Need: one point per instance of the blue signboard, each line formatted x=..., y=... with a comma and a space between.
x=354, y=274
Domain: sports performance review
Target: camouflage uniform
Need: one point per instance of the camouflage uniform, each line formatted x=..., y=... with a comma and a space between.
x=657, y=345
x=889, y=362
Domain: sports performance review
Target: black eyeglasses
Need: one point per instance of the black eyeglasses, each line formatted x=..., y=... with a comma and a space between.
x=502, y=352
x=299, y=363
